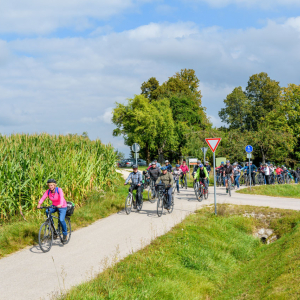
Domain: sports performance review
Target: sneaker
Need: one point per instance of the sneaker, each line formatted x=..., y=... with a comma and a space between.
x=65, y=238
x=178, y=192
x=226, y=190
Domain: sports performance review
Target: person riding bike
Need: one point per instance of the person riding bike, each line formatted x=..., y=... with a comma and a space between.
x=228, y=171
x=154, y=173
x=177, y=172
x=184, y=169
x=137, y=181
x=167, y=179
x=56, y=196
x=219, y=171
x=202, y=176
x=236, y=174
x=169, y=166
x=196, y=167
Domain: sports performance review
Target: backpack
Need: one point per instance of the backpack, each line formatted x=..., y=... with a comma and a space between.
x=70, y=205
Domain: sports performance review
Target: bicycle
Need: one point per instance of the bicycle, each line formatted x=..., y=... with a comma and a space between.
x=229, y=187
x=129, y=201
x=219, y=180
x=280, y=179
x=151, y=191
x=162, y=201
x=260, y=179
x=51, y=229
x=183, y=184
x=196, y=186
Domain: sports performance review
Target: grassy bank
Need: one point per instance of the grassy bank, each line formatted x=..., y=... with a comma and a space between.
x=278, y=190
x=208, y=257
x=16, y=233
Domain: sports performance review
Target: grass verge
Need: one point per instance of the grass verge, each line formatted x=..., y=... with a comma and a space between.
x=278, y=190
x=209, y=257
x=17, y=233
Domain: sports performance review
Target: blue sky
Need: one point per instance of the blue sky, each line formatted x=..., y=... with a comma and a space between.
x=63, y=65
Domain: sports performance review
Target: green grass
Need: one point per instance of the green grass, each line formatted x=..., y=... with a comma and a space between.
x=209, y=257
x=17, y=233
x=278, y=190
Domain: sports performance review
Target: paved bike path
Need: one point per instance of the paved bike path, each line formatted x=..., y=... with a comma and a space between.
x=31, y=274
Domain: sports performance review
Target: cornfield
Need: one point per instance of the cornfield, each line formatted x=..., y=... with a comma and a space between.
x=78, y=164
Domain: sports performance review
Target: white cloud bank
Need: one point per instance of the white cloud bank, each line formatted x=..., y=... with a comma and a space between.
x=71, y=84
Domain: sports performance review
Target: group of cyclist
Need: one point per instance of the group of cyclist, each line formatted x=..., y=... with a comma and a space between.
x=269, y=173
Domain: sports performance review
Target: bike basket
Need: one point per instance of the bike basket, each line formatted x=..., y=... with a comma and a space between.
x=70, y=208
x=161, y=186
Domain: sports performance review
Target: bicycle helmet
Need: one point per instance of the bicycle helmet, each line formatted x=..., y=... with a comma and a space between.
x=227, y=161
x=164, y=168
x=177, y=166
x=198, y=161
x=166, y=161
x=51, y=181
x=153, y=163
x=222, y=163
x=135, y=167
x=201, y=166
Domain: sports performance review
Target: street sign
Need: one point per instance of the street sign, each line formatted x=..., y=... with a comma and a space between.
x=249, y=149
x=135, y=147
x=249, y=155
x=193, y=161
x=136, y=155
x=213, y=143
x=204, y=149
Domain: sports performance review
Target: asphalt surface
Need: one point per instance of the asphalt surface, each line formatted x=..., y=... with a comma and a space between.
x=31, y=274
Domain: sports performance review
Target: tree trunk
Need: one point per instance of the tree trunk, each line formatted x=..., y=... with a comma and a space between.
x=147, y=154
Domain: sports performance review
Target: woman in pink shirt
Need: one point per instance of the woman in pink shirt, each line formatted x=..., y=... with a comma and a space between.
x=56, y=196
x=184, y=169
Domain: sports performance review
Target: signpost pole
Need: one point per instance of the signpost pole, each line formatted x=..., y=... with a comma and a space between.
x=250, y=172
x=135, y=156
x=215, y=194
x=204, y=158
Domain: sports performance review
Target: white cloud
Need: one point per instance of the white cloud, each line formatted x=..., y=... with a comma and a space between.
x=70, y=85
x=41, y=17
x=265, y=4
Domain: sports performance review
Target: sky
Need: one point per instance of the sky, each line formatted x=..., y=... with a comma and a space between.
x=64, y=64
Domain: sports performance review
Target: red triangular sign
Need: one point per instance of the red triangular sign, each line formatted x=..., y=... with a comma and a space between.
x=213, y=143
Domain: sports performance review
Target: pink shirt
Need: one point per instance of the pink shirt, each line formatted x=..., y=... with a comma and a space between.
x=184, y=169
x=56, y=198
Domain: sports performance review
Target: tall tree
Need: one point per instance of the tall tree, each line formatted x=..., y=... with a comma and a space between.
x=149, y=87
x=237, y=111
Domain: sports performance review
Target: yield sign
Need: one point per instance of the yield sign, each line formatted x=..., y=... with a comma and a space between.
x=213, y=143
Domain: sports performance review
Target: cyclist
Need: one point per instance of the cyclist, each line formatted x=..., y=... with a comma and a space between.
x=184, y=169
x=228, y=171
x=279, y=173
x=56, y=196
x=137, y=181
x=196, y=167
x=202, y=175
x=208, y=168
x=167, y=179
x=236, y=174
x=220, y=170
x=252, y=171
x=169, y=166
x=177, y=172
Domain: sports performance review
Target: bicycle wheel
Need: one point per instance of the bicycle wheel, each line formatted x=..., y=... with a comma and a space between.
x=170, y=210
x=140, y=206
x=46, y=237
x=206, y=194
x=229, y=187
x=151, y=194
x=196, y=186
x=128, y=204
x=181, y=183
x=160, y=205
x=200, y=193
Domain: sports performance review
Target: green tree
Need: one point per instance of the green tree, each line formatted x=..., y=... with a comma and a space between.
x=237, y=112
x=149, y=87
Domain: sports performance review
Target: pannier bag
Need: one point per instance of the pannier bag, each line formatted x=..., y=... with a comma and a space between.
x=70, y=208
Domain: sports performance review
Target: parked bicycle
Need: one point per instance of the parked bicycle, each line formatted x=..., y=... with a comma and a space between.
x=51, y=230
x=130, y=202
x=162, y=200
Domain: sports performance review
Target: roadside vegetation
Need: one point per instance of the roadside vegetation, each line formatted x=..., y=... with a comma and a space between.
x=278, y=190
x=209, y=257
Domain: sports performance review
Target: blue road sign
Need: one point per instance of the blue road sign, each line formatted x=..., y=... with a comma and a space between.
x=249, y=149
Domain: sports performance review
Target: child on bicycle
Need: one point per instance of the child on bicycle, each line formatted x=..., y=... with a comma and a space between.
x=56, y=196
x=137, y=181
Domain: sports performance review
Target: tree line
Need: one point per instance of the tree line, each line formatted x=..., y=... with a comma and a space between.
x=169, y=120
